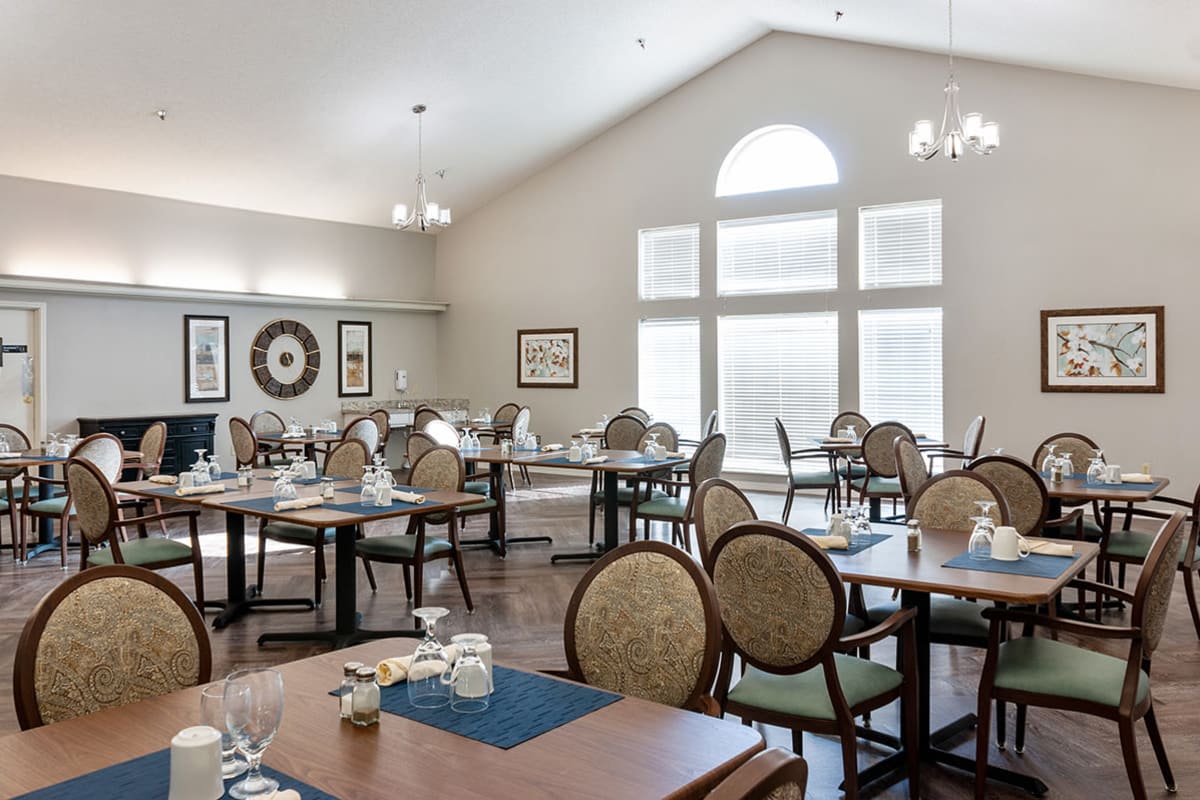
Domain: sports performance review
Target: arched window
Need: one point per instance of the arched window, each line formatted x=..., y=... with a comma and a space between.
x=776, y=157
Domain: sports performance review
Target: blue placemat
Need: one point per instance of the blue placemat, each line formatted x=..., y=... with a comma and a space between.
x=1074, y=476
x=855, y=547
x=35, y=458
x=1037, y=566
x=148, y=778
x=358, y=489
x=1127, y=487
x=524, y=705
x=268, y=504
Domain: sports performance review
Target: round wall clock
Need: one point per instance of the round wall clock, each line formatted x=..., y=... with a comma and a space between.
x=285, y=358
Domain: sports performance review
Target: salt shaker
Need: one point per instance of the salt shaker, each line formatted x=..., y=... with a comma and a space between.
x=364, y=701
x=914, y=535
x=347, y=689
x=327, y=488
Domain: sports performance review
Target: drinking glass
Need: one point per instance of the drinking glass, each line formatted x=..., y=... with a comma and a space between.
x=469, y=682
x=253, y=711
x=1068, y=466
x=3, y=443
x=283, y=490
x=1048, y=461
x=985, y=509
x=979, y=548
x=366, y=496
x=200, y=474
x=997, y=451
x=1095, y=471
x=214, y=468
x=465, y=442
x=860, y=528
x=851, y=433
x=486, y=414
x=212, y=713
x=425, y=687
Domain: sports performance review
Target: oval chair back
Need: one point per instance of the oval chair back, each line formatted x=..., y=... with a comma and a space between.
x=103, y=450
x=719, y=505
x=879, y=448
x=1081, y=449
x=17, y=439
x=419, y=443
x=506, y=413
x=441, y=432
x=245, y=442
x=520, y=424
x=947, y=501
x=365, y=430
x=383, y=421
x=102, y=623
x=440, y=469
x=93, y=498
x=1023, y=489
x=973, y=437
x=860, y=423
x=347, y=460
x=708, y=461
x=644, y=622
x=152, y=446
x=266, y=421
x=774, y=774
x=623, y=432
x=667, y=437
x=785, y=445
x=911, y=464
x=1153, y=592
x=422, y=417
x=639, y=413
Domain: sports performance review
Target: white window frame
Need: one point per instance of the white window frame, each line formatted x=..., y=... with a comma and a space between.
x=828, y=239
x=921, y=214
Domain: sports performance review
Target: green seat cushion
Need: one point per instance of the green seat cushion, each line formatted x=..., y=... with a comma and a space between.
x=54, y=505
x=475, y=508
x=853, y=625
x=299, y=534
x=856, y=470
x=877, y=485
x=625, y=495
x=814, y=480
x=948, y=616
x=403, y=546
x=1059, y=669
x=805, y=694
x=3, y=504
x=140, y=552
x=1135, y=546
x=672, y=507
x=478, y=487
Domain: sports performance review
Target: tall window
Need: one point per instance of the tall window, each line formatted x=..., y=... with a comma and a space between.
x=776, y=157
x=780, y=365
x=900, y=245
x=787, y=253
x=900, y=374
x=669, y=262
x=669, y=372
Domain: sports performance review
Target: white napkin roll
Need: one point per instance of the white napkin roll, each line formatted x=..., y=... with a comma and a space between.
x=299, y=502
x=408, y=497
x=286, y=794
x=166, y=480
x=394, y=670
x=831, y=542
x=596, y=460
x=212, y=488
x=550, y=448
x=11, y=455
x=837, y=440
x=679, y=454
x=1045, y=548
x=1136, y=477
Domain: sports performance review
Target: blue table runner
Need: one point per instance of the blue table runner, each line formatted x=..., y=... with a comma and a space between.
x=855, y=547
x=1126, y=487
x=1036, y=565
x=268, y=504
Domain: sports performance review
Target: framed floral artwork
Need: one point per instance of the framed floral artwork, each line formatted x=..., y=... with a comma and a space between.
x=548, y=358
x=1103, y=350
x=354, y=358
x=205, y=359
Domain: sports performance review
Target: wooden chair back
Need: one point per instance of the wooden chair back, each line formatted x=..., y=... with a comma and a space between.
x=774, y=774
x=152, y=446
x=668, y=437
x=423, y=415
x=17, y=439
x=640, y=413
x=879, y=447
x=719, y=505
x=383, y=421
x=1152, y=595
x=94, y=501
x=418, y=444
x=245, y=442
x=506, y=413
x=347, y=460
x=441, y=468
x=106, y=637
x=644, y=622
x=708, y=460
x=911, y=465
x=623, y=432
x=266, y=421
x=1023, y=489
x=1081, y=449
x=365, y=430
x=947, y=501
x=844, y=418
x=442, y=432
x=520, y=424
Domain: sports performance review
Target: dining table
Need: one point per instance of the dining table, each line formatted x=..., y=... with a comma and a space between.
x=850, y=448
x=628, y=748
x=344, y=514
x=918, y=576
x=308, y=440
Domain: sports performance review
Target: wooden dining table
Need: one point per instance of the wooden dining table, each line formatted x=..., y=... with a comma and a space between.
x=920, y=575
x=309, y=440
x=630, y=749
x=850, y=449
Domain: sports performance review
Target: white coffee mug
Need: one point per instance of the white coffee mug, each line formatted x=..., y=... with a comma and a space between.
x=196, y=765
x=1008, y=545
x=1112, y=473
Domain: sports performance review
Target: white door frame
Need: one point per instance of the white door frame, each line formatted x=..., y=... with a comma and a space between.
x=37, y=435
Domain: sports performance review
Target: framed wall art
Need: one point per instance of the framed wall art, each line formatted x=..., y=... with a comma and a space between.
x=1103, y=350
x=285, y=358
x=205, y=359
x=354, y=358
x=548, y=358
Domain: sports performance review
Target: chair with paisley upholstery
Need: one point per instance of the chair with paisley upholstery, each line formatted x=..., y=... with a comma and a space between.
x=152, y=446
x=103, y=450
x=11, y=477
x=1036, y=671
x=911, y=466
x=417, y=444
x=445, y=434
x=972, y=439
x=423, y=415
x=639, y=413
x=517, y=432
x=666, y=436
x=103, y=638
x=800, y=677
x=245, y=443
x=501, y=423
x=441, y=468
x=623, y=432
x=364, y=430
x=854, y=467
x=346, y=460
x=882, y=479
x=265, y=421
x=644, y=622
x=710, y=427
x=773, y=774
x=707, y=462
x=1081, y=449
x=822, y=475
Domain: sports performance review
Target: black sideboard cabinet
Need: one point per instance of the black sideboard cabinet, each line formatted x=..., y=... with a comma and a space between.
x=185, y=434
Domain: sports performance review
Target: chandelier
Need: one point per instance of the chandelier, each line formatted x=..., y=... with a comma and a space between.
x=423, y=214
x=958, y=132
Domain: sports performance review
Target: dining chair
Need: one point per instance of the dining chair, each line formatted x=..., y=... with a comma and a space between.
x=824, y=476
x=346, y=460
x=245, y=443
x=383, y=422
x=503, y=415
x=640, y=413
x=707, y=462
x=623, y=432
x=910, y=464
x=423, y=415
x=854, y=467
x=799, y=677
x=440, y=469
x=972, y=440
x=1081, y=449
x=643, y=621
x=881, y=479
x=667, y=437
x=417, y=444
x=365, y=430
x=710, y=427
x=517, y=432
x=103, y=450
x=1036, y=671
x=12, y=478
x=152, y=446
x=446, y=435
x=773, y=774
x=107, y=637
x=947, y=501
x=265, y=421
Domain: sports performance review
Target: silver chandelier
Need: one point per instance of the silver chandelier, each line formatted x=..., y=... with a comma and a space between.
x=423, y=214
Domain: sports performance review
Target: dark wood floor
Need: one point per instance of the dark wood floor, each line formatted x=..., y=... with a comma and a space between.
x=521, y=601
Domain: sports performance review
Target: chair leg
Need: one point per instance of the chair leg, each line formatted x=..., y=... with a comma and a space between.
x=1190, y=590
x=418, y=580
x=591, y=521
x=318, y=572
x=1160, y=752
x=850, y=765
x=687, y=535
x=371, y=578
x=787, y=504
x=456, y=556
x=407, y=583
x=499, y=526
x=198, y=577
x=1129, y=750
x=1022, y=712
x=1002, y=726
x=910, y=736
x=162, y=523
x=982, y=730
x=262, y=559
x=798, y=741
x=64, y=530
x=1121, y=575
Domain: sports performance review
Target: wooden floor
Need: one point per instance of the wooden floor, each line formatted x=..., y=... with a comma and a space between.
x=520, y=605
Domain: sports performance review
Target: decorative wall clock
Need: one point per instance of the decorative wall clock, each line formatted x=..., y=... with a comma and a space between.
x=285, y=358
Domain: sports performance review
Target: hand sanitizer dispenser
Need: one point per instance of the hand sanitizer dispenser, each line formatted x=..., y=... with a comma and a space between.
x=401, y=380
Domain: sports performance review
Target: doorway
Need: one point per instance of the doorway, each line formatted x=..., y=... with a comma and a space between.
x=22, y=370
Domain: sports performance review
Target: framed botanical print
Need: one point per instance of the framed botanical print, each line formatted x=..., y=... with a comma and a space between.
x=1103, y=350
x=354, y=358
x=548, y=358
x=205, y=359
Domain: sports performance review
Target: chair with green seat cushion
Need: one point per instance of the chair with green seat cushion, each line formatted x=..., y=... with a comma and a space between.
x=96, y=506
x=263, y=422
x=707, y=462
x=710, y=427
x=879, y=455
x=345, y=461
x=854, y=467
x=798, y=676
x=623, y=432
x=823, y=474
x=1068, y=677
x=441, y=468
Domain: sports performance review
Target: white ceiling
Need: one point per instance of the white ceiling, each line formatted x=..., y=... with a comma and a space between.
x=301, y=107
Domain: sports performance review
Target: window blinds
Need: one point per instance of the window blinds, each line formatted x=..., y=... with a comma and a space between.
x=789, y=253
x=669, y=372
x=900, y=374
x=669, y=262
x=900, y=245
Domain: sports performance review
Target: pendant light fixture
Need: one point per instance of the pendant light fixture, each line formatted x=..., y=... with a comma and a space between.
x=423, y=214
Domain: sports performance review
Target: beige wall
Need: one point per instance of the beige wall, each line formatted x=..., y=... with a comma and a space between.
x=1089, y=202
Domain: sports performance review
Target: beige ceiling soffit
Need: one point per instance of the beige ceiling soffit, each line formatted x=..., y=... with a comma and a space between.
x=100, y=289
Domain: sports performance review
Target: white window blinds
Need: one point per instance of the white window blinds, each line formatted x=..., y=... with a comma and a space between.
x=900, y=245
x=669, y=372
x=771, y=366
x=789, y=253
x=900, y=374
x=669, y=262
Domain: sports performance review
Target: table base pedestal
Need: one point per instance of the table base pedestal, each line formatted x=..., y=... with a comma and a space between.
x=338, y=640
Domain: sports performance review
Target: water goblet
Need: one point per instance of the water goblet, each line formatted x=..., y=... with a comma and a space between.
x=212, y=713
x=3, y=443
x=253, y=711
x=366, y=495
x=985, y=509
x=425, y=687
x=283, y=490
x=979, y=547
x=1050, y=458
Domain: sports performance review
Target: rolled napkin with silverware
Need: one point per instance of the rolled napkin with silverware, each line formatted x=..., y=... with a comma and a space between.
x=299, y=502
x=550, y=448
x=212, y=488
x=1136, y=477
x=166, y=480
x=831, y=542
x=596, y=460
x=1045, y=548
x=394, y=670
x=408, y=497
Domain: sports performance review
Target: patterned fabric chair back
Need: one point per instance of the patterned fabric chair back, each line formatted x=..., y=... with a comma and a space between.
x=17, y=440
x=347, y=460
x=708, y=460
x=947, y=501
x=785, y=444
x=667, y=436
x=419, y=443
x=1023, y=489
x=639, y=413
x=644, y=622
x=506, y=413
x=264, y=421
x=365, y=430
x=441, y=469
x=520, y=424
x=860, y=423
x=383, y=421
x=245, y=442
x=623, y=432
x=781, y=599
x=719, y=506
x=153, y=443
x=441, y=432
x=1081, y=449
x=1153, y=593
x=710, y=424
x=93, y=498
x=422, y=417
x=106, y=637
x=103, y=450
x=912, y=467
x=973, y=437
x=774, y=774
x=879, y=447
